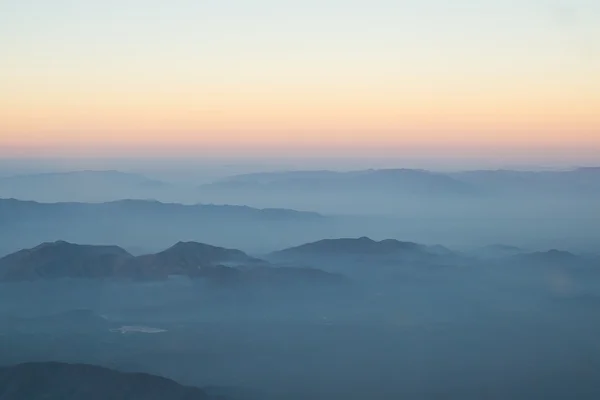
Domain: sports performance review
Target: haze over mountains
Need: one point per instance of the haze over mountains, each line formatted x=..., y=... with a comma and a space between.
x=279, y=189
x=149, y=225
x=143, y=226
x=384, y=284
x=407, y=192
x=419, y=181
x=533, y=209
x=94, y=186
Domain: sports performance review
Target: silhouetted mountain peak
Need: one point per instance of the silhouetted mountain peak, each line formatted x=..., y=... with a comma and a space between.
x=365, y=239
x=203, y=253
x=59, y=246
x=55, y=244
x=362, y=245
x=62, y=259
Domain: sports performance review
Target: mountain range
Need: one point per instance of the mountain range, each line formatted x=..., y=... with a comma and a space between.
x=364, y=250
x=421, y=182
x=194, y=260
x=367, y=252
x=418, y=193
x=392, y=181
x=151, y=225
x=306, y=263
x=92, y=186
x=99, y=186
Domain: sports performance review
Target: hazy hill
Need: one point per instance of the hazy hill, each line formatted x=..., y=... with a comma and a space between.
x=12, y=210
x=61, y=381
x=151, y=224
x=364, y=192
x=418, y=193
x=80, y=186
x=389, y=181
x=422, y=182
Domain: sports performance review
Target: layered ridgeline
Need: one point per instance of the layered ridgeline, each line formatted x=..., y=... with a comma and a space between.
x=54, y=381
x=390, y=181
x=305, y=263
x=194, y=260
x=418, y=182
x=92, y=186
x=419, y=193
x=152, y=225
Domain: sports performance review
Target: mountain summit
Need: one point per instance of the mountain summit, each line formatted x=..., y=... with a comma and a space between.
x=61, y=259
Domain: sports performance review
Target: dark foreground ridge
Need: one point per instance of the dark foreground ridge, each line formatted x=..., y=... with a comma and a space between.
x=61, y=381
x=194, y=260
x=362, y=246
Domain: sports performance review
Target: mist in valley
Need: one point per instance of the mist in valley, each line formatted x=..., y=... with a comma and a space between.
x=308, y=284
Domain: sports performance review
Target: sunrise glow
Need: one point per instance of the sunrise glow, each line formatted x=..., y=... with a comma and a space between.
x=205, y=77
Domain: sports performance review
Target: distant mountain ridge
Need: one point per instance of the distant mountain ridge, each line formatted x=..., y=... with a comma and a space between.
x=16, y=208
x=417, y=193
x=110, y=185
x=389, y=180
x=147, y=224
x=418, y=181
x=86, y=185
x=61, y=381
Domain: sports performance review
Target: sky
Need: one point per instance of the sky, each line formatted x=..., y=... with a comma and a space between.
x=295, y=78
